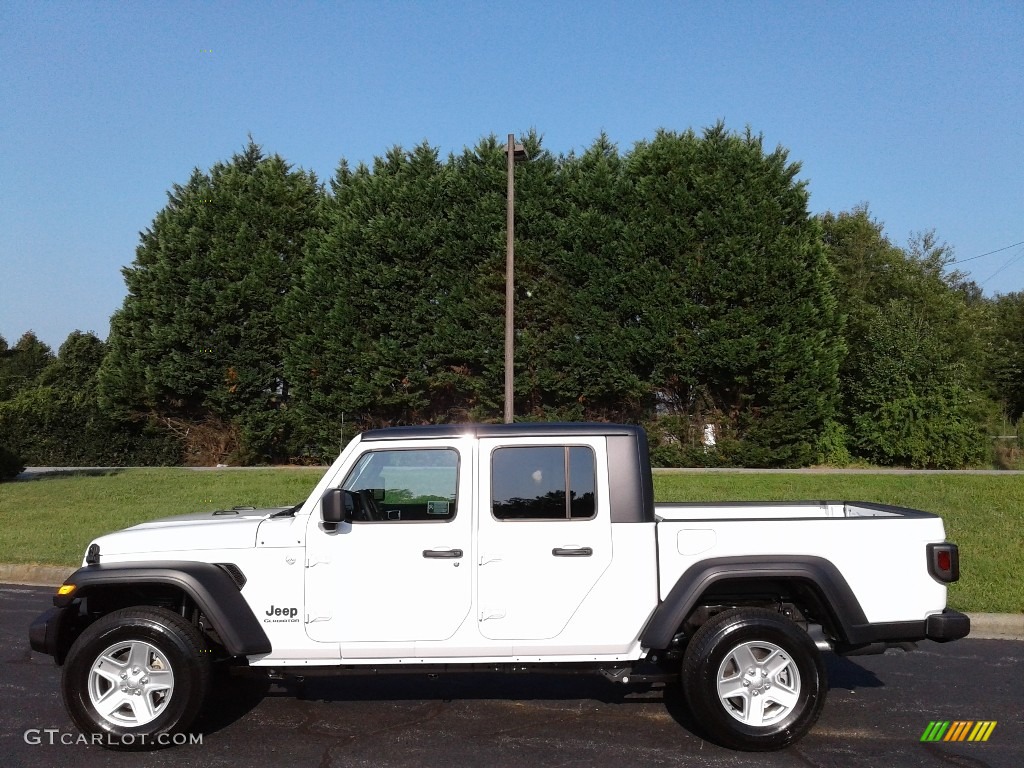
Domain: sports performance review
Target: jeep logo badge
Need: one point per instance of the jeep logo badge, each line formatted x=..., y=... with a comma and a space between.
x=281, y=614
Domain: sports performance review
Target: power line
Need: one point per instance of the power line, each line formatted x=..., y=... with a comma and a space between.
x=1011, y=260
x=997, y=250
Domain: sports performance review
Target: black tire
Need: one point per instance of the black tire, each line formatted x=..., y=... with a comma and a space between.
x=122, y=662
x=779, y=661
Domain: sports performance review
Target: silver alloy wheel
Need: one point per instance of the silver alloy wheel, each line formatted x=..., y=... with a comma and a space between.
x=131, y=683
x=758, y=683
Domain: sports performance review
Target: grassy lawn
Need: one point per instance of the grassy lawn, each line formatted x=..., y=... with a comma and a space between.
x=52, y=519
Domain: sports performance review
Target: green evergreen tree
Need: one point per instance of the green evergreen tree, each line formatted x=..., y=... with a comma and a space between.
x=370, y=293
x=21, y=365
x=587, y=354
x=59, y=421
x=199, y=337
x=78, y=361
x=737, y=322
x=465, y=349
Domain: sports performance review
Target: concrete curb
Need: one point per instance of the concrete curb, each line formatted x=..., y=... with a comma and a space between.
x=984, y=626
x=34, y=575
x=997, y=626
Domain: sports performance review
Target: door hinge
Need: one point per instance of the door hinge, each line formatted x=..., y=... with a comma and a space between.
x=310, y=619
x=492, y=613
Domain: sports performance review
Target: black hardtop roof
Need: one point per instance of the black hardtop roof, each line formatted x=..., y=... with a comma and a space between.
x=524, y=429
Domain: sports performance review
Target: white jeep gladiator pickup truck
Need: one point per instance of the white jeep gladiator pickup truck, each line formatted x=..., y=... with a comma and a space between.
x=500, y=547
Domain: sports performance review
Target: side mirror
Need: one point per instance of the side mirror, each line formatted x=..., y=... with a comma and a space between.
x=333, y=506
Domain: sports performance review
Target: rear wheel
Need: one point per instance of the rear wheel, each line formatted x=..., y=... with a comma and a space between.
x=136, y=677
x=753, y=679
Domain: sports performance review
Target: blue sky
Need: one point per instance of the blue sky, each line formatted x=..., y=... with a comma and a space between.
x=913, y=108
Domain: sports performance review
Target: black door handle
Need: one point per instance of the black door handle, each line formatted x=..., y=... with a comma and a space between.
x=574, y=552
x=446, y=554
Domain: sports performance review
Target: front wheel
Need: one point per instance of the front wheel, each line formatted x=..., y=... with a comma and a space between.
x=753, y=679
x=135, y=678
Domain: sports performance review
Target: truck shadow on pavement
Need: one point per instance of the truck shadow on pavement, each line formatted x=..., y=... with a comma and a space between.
x=847, y=674
x=230, y=699
x=233, y=696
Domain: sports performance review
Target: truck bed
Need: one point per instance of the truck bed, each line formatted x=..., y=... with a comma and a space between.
x=779, y=510
x=878, y=548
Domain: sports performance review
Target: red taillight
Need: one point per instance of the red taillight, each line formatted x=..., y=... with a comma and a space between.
x=944, y=562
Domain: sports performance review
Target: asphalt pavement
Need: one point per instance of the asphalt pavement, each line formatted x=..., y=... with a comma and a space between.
x=877, y=710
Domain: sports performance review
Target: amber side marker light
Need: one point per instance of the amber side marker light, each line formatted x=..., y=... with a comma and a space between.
x=66, y=589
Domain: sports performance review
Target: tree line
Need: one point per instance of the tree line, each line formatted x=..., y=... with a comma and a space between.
x=683, y=285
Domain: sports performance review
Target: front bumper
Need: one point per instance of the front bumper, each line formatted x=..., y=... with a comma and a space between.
x=50, y=633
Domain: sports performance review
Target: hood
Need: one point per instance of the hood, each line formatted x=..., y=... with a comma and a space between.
x=222, y=529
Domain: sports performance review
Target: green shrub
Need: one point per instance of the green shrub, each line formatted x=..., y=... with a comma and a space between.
x=50, y=427
x=10, y=465
x=833, y=444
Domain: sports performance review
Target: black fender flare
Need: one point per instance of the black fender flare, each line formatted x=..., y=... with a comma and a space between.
x=214, y=591
x=844, y=609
